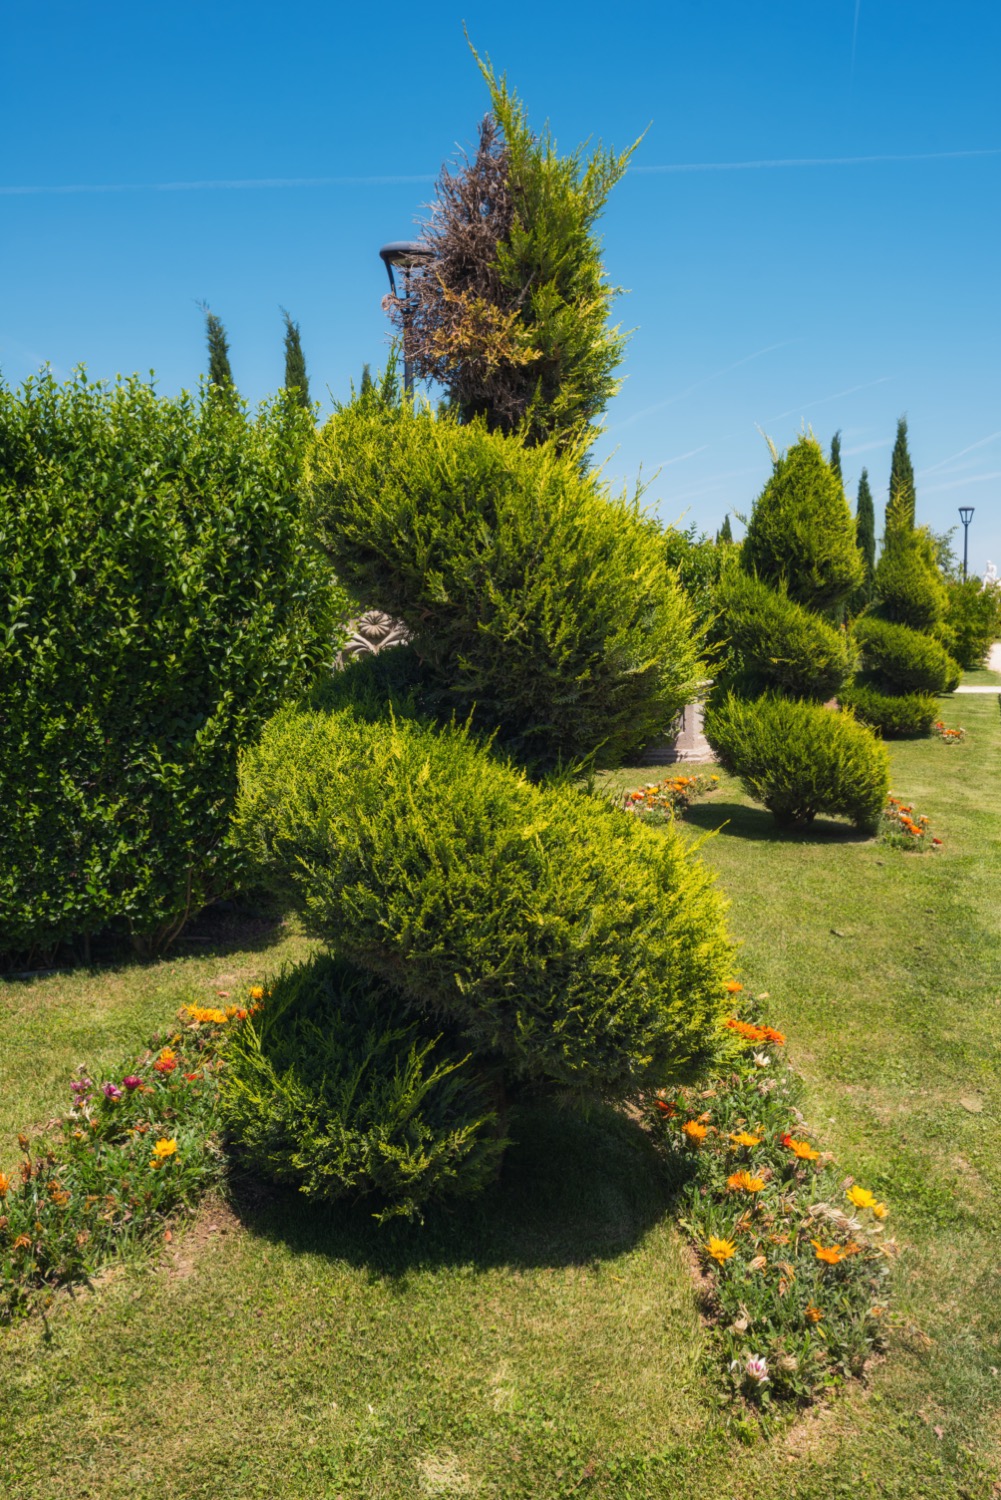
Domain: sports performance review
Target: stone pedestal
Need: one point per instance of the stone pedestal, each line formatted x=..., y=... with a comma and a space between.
x=688, y=743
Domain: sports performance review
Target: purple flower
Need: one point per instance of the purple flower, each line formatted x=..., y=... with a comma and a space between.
x=132, y=1082
x=111, y=1091
x=81, y=1085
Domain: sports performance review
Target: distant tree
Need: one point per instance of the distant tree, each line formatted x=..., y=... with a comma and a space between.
x=836, y=454
x=865, y=539
x=725, y=533
x=366, y=380
x=219, y=370
x=296, y=378
x=900, y=509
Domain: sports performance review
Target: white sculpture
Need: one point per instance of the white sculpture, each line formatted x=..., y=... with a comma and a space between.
x=991, y=579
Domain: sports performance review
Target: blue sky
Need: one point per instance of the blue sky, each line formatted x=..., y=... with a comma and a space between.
x=838, y=292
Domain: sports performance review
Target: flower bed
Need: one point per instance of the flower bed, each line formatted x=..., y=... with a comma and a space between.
x=669, y=797
x=132, y=1152
x=792, y=1250
x=950, y=736
x=903, y=828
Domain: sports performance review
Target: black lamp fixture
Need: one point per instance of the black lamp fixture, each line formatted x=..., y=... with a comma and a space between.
x=966, y=516
x=407, y=257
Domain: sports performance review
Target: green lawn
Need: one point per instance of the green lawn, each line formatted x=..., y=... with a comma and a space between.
x=547, y=1342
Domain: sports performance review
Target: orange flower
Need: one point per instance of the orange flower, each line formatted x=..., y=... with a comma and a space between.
x=769, y=1034
x=802, y=1149
x=4, y=1185
x=813, y=1313
x=742, y=1138
x=694, y=1131
x=743, y=1182
x=733, y=988
x=166, y=1062
x=720, y=1250
x=23, y=1242
x=746, y=1030
x=666, y=1108
x=829, y=1255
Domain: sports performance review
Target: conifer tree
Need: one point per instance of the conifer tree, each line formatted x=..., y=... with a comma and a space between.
x=295, y=362
x=219, y=370
x=835, y=459
x=865, y=531
x=900, y=506
x=725, y=533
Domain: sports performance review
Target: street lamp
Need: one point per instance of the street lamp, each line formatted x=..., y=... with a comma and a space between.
x=408, y=256
x=966, y=516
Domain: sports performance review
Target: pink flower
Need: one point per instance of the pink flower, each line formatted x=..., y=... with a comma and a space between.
x=111, y=1091
x=132, y=1082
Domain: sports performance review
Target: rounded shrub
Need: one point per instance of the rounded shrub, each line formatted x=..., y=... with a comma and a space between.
x=801, y=534
x=777, y=644
x=533, y=596
x=899, y=660
x=336, y=1088
x=801, y=759
x=555, y=934
x=972, y=622
x=894, y=716
x=907, y=589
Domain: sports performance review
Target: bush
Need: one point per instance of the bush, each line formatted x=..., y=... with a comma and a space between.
x=802, y=533
x=778, y=645
x=972, y=622
x=907, y=589
x=800, y=759
x=531, y=594
x=161, y=602
x=896, y=659
x=556, y=934
x=337, y=1089
x=894, y=716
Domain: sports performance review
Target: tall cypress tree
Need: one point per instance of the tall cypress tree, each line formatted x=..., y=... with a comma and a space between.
x=836, y=454
x=900, y=506
x=219, y=371
x=725, y=533
x=865, y=536
x=295, y=361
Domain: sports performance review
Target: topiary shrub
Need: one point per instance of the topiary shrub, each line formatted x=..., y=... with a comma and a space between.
x=531, y=594
x=894, y=716
x=779, y=645
x=801, y=533
x=161, y=601
x=907, y=589
x=554, y=933
x=801, y=759
x=336, y=1088
x=896, y=659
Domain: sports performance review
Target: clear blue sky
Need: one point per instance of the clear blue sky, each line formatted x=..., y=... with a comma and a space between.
x=835, y=292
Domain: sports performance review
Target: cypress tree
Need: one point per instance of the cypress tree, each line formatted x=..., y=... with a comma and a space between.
x=295, y=361
x=835, y=459
x=725, y=533
x=865, y=531
x=900, y=507
x=219, y=371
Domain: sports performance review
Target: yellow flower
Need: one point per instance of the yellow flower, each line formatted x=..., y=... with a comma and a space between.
x=743, y=1182
x=861, y=1197
x=802, y=1149
x=813, y=1313
x=720, y=1250
x=694, y=1131
x=880, y=1210
x=257, y=992
x=162, y=1151
x=742, y=1138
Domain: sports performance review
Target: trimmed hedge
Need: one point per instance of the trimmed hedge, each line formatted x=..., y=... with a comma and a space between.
x=335, y=1088
x=894, y=716
x=557, y=935
x=779, y=645
x=899, y=660
x=907, y=589
x=161, y=601
x=800, y=759
x=532, y=595
x=801, y=534
x=972, y=622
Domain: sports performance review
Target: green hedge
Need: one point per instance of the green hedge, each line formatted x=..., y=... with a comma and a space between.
x=801, y=759
x=555, y=933
x=907, y=589
x=972, y=622
x=899, y=660
x=160, y=603
x=335, y=1089
x=533, y=596
x=777, y=644
x=894, y=716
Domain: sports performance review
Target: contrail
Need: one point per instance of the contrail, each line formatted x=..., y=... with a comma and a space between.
x=823, y=400
x=961, y=454
x=680, y=395
x=241, y=184
x=960, y=484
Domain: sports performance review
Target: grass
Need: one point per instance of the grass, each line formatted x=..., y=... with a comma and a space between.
x=546, y=1342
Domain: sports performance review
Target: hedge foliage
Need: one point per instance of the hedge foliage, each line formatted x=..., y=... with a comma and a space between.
x=907, y=589
x=801, y=533
x=779, y=645
x=534, y=597
x=801, y=759
x=159, y=603
x=893, y=715
x=559, y=937
x=896, y=659
x=972, y=622
x=334, y=1087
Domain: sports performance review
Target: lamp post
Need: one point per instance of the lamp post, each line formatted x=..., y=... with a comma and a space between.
x=407, y=256
x=966, y=516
